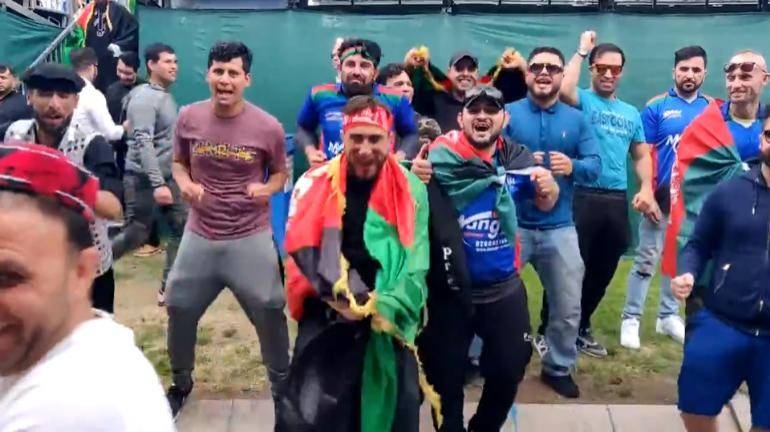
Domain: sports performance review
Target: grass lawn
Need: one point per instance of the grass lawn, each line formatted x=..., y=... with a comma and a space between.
x=229, y=364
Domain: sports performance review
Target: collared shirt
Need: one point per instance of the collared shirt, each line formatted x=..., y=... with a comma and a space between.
x=617, y=126
x=560, y=128
x=746, y=138
x=93, y=116
x=664, y=119
x=323, y=109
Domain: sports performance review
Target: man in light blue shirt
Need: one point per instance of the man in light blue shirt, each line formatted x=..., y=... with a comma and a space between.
x=601, y=210
x=562, y=141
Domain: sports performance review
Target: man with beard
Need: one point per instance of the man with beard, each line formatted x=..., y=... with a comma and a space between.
x=224, y=149
x=604, y=235
x=13, y=104
x=563, y=142
x=110, y=30
x=728, y=339
x=359, y=59
x=151, y=113
x=664, y=118
x=469, y=165
x=53, y=95
x=357, y=239
x=63, y=366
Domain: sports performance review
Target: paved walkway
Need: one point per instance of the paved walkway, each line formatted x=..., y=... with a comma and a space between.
x=251, y=415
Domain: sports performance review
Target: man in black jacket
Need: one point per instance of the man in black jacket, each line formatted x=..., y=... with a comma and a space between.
x=13, y=104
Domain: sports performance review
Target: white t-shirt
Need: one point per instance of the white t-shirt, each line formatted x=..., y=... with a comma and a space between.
x=94, y=380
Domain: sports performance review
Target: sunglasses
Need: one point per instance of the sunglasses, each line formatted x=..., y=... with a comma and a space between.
x=746, y=67
x=766, y=135
x=373, y=139
x=685, y=69
x=551, y=69
x=602, y=69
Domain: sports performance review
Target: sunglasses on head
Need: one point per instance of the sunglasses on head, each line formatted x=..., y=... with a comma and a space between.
x=551, y=69
x=373, y=139
x=602, y=69
x=745, y=67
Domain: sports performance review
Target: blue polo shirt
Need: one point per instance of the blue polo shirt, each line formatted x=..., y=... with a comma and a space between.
x=560, y=128
x=664, y=119
x=746, y=138
x=323, y=109
x=617, y=126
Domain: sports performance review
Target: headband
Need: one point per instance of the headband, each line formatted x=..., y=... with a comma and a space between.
x=38, y=170
x=350, y=52
x=379, y=117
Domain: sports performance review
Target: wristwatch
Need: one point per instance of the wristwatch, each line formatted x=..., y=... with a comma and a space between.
x=582, y=54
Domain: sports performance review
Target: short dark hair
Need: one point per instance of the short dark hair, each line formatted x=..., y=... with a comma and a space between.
x=130, y=59
x=77, y=227
x=689, y=52
x=229, y=50
x=6, y=68
x=604, y=48
x=362, y=102
x=372, y=49
x=83, y=58
x=546, y=49
x=389, y=71
x=153, y=52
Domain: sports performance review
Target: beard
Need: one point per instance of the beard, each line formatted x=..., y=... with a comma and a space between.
x=56, y=131
x=764, y=154
x=544, y=96
x=358, y=88
x=482, y=144
x=687, y=87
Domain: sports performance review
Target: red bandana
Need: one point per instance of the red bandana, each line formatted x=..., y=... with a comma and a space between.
x=379, y=117
x=40, y=170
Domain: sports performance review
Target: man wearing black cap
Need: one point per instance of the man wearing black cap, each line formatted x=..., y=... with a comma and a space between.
x=322, y=110
x=440, y=96
x=53, y=95
x=468, y=165
x=63, y=366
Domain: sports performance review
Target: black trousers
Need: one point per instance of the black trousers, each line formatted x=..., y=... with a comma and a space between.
x=504, y=327
x=103, y=292
x=601, y=220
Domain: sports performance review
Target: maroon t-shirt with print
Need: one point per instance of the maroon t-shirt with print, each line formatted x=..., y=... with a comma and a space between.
x=225, y=155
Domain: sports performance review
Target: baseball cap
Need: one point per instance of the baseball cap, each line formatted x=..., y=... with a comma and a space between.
x=459, y=55
x=42, y=171
x=53, y=77
x=484, y=92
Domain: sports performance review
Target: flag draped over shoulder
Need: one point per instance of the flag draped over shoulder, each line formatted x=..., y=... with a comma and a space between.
x=706, y=156
x=396, y=236
x=77, y=38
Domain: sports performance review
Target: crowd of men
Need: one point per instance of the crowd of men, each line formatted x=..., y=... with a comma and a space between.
x=429, y=190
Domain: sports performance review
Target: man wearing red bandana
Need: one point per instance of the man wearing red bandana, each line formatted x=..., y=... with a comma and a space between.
x=357, y=239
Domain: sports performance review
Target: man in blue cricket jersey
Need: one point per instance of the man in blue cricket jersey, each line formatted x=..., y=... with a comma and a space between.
x=601, y=209
x=563, y=142
x=322, y=110
x=664, y=119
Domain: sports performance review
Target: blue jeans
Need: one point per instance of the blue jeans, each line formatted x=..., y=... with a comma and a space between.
x=648, y=251
x=555, y=256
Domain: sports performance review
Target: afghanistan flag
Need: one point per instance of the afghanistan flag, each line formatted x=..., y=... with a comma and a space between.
x=396, y=236
x=706, y=156
x=77, y=38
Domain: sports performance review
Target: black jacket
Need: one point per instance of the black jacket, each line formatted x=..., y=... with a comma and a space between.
x=13, y=107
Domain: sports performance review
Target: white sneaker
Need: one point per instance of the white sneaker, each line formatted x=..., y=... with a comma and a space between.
x=629, y=333
x=671, y=326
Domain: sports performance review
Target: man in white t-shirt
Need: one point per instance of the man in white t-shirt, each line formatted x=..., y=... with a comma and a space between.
x=63, y=366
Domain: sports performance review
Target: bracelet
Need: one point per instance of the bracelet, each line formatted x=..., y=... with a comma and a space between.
x=584, y=55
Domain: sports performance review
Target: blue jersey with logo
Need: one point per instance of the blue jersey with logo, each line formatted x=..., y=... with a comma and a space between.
x=617, y=125
x=746, y=138
x=664, y=119
x=323, y=109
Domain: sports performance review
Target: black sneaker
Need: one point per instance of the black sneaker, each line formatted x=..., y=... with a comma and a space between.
x=563, y=385
x=588, y=345
x=176, y=399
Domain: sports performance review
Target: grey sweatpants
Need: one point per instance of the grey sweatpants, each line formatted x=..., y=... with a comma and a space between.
x=249, y=267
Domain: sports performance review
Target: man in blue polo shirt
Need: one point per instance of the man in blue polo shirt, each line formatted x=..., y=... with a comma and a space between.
x=563, y=142
x=664, y=119
x=322, y=109
x=601, y=209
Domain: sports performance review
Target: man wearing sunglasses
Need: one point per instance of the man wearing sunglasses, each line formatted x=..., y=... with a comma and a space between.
x=664, y=118
x=358, y=69
x=604, y=235
x=468, y=165
x=728, y=338
x=563, y=142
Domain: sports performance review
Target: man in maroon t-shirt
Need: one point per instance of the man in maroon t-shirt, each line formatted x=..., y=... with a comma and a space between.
x=229, y=158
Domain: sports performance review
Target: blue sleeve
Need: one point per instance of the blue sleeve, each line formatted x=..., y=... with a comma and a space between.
x=588, y=164
x=308, y=114
x=650, y=123
x=705, y=236
x=404, y=117
x=639, y=130
x=582, y=94
x=508, y=129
